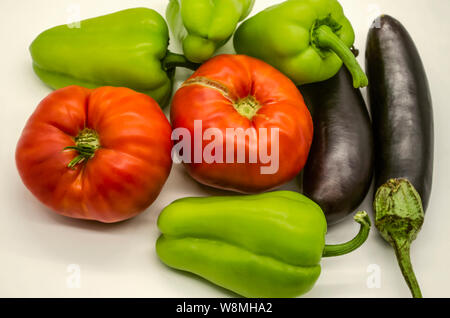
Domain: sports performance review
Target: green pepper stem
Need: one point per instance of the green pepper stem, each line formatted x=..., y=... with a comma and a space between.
x=326, y=39
x=86, y=144
x=402, y=249
x=345, y=248
x=173, y=60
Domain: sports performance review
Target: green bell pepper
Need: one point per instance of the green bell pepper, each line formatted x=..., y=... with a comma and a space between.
x=203, y=26
x=127, y=48
x=306, y=39
x=265, y=245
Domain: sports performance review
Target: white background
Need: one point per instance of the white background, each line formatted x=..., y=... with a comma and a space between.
x=37, y=246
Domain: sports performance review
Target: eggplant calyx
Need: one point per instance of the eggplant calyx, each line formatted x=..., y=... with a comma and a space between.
x=399, y=217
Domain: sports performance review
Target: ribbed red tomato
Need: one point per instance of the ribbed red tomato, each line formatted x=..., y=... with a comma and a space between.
x=100, y=154
x=237, y=91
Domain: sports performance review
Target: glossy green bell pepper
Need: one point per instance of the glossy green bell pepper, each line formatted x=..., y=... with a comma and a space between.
x=306, y=39
x=127, y=48
x=203, y=26
x=265, y=245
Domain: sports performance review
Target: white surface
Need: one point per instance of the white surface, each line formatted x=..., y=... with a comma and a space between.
x=37, y=246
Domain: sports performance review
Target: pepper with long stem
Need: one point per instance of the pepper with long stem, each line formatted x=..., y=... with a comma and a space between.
x=340, y=249
x=325, y=38
x=174, y=60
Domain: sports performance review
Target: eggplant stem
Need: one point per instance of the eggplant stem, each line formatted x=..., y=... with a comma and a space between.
x=399, y=217
x=402, y=251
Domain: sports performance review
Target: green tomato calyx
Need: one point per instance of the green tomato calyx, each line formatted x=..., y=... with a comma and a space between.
x=247, y=107
x=86, y=144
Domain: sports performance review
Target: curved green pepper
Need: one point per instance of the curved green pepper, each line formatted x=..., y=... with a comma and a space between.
x=203, y=26
x=265, y=245
x=306, y=39
x=127, y=48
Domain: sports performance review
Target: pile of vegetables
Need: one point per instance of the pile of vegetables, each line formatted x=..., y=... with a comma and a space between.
x=100, y=148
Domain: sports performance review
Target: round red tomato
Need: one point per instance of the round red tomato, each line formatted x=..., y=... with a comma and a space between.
x=100, y=154
x=234, y=104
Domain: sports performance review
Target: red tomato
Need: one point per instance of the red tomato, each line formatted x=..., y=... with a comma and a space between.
x=122, y=157
x=237, y=91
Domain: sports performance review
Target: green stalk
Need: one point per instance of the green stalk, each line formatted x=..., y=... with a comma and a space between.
x=247, y=107
x=341, y=249
x=399, y=217
x=173, y=60
x=325, y=38
x=86, y=144
x=402, y=249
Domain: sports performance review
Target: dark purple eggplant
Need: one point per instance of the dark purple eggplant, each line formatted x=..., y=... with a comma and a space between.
x=339, y=169
x=402, y=115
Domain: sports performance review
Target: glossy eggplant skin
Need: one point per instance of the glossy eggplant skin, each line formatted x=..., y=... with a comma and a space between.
x=401, y=107
x=339, y=170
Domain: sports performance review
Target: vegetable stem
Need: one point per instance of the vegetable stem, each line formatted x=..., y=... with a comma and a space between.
x=247, y=107
x=399, y=217
x=174, y=60
x=327, y=39
x=86, y=144
x=402, y=249
x=340, y=249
